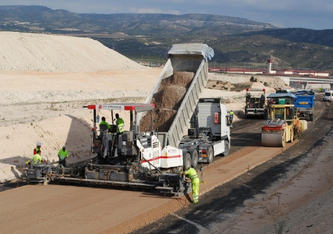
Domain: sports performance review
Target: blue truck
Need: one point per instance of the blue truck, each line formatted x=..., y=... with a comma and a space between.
x=305, y=102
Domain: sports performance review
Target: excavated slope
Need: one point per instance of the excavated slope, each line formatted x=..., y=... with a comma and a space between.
x=50, y=53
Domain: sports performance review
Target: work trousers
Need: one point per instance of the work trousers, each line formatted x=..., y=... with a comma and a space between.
x=62, y=162
x=195, y=190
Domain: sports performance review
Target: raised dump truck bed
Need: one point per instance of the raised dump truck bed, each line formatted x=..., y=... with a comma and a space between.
x=185, y=73
x=199, y=127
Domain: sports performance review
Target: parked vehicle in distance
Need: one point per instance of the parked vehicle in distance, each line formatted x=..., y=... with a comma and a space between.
x=255, y=103
x=283, y=91
x=305, y=102
x=328, y=96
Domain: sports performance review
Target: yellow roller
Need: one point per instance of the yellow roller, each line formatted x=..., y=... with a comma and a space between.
x=273, y=139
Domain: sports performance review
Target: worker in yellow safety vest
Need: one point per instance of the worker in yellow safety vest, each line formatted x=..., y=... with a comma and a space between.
x=192, y=174
x=62, y=155
x=120, y=124
x=37, y=158
x=231, y=117
x=103, y=122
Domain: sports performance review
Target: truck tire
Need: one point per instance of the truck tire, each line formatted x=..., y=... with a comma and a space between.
x=311, y=117
x=226, y=148
x=187, y=161
x=194, y=158
x=210, y=154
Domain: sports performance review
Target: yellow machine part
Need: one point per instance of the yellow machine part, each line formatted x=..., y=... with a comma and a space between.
x=273, y=139
x=303, y=125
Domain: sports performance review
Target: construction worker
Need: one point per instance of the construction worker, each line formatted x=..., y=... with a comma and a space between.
x=62, y=155
x=119, y=139
x=103, y=122
x=37, y=158
x=120, y=124
x=103, y=126
x=38, y=145
x=192, y=174
x=231, y=117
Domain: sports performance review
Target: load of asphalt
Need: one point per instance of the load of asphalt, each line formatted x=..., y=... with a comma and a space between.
x=167, y=100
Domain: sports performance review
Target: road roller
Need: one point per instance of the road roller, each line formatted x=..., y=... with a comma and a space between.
x=282, y=126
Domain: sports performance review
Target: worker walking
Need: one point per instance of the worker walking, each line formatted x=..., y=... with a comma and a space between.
x=192, y=174
x=38, y=145
x=62, y=155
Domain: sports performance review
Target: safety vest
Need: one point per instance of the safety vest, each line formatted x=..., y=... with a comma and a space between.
x=63, y=154
x=120, y=125
x=231, y=113
x=191, y=173
x=105, y=123
x=37, y=159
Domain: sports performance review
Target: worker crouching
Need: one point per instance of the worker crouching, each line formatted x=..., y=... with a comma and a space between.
x=192, y=174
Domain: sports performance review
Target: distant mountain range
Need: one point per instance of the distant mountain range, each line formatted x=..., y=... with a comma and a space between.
x=236, y=41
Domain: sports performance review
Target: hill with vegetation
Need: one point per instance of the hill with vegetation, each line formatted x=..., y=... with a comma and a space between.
x=237, y=42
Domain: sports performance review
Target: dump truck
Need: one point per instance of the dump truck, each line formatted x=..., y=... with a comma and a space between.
x=255, y=103
x=144, y=156
x=209, y=132
x=198, y=126
x=305, y=102
x=283, y=124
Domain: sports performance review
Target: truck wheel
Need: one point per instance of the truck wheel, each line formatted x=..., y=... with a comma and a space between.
x=226, y=148
x=311, y=117
x=210, y=154
x=187, y=161
x=195, y=158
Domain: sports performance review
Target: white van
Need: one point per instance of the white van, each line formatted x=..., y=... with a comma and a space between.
x=328, y=96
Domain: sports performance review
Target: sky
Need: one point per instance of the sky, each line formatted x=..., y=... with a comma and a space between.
x=309, y=14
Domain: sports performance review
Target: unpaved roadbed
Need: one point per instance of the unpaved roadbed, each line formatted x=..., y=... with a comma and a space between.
x=99, y=210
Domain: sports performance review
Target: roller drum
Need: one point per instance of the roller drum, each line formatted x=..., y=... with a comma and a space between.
x=273, y=139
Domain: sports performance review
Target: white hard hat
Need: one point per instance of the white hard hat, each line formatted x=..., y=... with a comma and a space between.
x=39, y=144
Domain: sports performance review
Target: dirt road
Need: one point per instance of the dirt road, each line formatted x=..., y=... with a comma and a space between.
x=291, y=193
x=70, y=209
